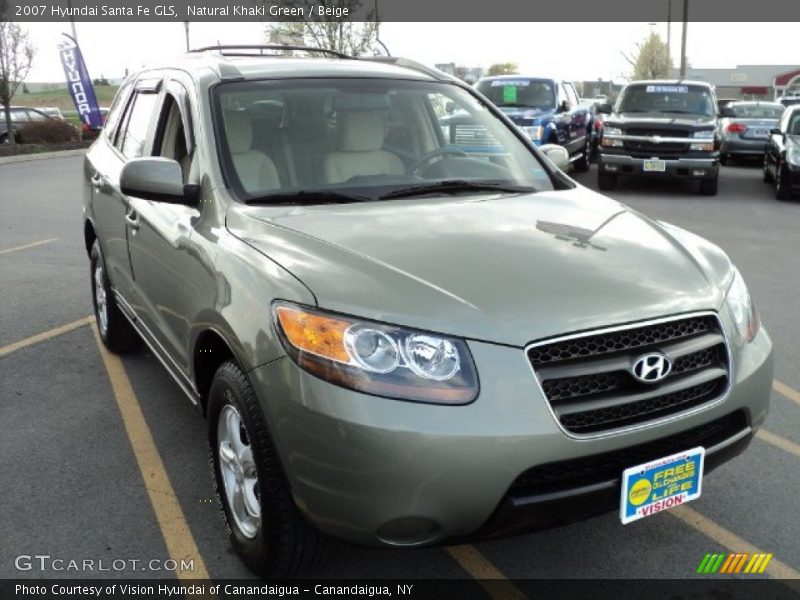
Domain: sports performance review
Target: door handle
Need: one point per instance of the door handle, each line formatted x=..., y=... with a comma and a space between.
x=132, y=219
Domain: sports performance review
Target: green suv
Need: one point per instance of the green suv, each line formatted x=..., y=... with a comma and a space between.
x=399, y=336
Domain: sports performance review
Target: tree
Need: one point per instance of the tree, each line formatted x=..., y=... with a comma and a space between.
x=332, y=33
x=508, y=68
x=16, y=56
x=652, y=60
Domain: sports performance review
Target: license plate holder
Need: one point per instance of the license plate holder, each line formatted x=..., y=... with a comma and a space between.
x=654, y=165
x=661, y=484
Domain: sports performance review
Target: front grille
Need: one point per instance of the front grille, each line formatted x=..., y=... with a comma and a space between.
x=653, y=149
x=588, y=470
x=675, y=133
x=589, y=383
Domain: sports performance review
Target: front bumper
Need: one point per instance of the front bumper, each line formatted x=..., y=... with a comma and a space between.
x=377, y=472
x=623, y=164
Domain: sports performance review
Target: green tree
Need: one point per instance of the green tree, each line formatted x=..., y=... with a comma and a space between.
x=652, y=60
x=332, y=33
x=508, y=68
x=16, y=57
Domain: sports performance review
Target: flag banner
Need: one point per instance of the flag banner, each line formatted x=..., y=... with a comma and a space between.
x=79, y=84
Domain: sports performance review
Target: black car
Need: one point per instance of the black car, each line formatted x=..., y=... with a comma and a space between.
x=782, y=157
x=661, y=129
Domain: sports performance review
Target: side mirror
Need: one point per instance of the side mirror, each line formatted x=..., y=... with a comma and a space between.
x=156, y=178
x=563, y=107
x=558, y=155
x=775, y=131
x=604, y=108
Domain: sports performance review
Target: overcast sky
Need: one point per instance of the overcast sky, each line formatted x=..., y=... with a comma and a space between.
x=579, y=51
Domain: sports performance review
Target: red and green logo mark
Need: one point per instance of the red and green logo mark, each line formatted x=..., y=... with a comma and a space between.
x=742, y=562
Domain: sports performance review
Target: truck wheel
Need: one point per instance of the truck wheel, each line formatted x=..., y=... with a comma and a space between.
x=723, y=159
x=582, y=164
x=782, y=190
x=606, y=181
x=117, y=333
x=708, y=187
x=266, y=529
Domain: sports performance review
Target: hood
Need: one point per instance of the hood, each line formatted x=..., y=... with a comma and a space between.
x=500, y=268
x=526, y=116
x=657, y=119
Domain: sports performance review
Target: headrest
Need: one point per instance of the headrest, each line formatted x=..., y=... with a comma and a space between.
x=239, y=131
x=361, y=130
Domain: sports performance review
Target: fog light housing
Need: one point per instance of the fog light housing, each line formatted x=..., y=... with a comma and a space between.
x=608, y=167
x=707, y=147
x=698, y=172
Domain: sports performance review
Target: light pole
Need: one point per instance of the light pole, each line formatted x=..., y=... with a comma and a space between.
x=669, y=31
x=186, y=28
x=683, y=37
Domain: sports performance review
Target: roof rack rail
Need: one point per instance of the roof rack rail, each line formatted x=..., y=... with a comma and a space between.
x=407, y=63
x=237, y=50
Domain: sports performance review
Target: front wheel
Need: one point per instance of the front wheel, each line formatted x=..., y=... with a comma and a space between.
x=723, y=159
x=708, y=187
x=768, y=178
x=606, y=181
x=266, y=529
x=117, y=333
x=782, y=191
x=584, y=162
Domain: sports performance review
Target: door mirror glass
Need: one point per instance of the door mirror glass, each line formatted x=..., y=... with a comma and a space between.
x=604, y=108
x=775, y=131
x=156, y=178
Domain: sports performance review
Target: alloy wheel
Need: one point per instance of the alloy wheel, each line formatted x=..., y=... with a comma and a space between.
x=238, y=470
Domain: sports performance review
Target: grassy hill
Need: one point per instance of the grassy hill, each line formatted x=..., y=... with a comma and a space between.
x=61, y=99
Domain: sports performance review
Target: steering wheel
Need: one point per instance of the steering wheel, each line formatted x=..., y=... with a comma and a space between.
x=439, y=152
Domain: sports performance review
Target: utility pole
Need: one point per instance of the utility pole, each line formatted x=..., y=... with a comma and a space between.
x=683, y=37
x=72, y=22
x=669, y=30
x=186, y=28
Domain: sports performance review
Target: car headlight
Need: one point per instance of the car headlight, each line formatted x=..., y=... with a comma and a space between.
x=708, y=134
x=376, y=358
x=743, y=311
x=611, y=131
x=793, y=156
x=534, y=132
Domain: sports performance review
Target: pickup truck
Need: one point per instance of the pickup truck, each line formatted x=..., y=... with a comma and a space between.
x=661, y=129
x=547, y=110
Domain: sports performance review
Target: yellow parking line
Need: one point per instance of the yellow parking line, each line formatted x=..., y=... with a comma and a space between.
x=733, y=542
x=784, y=390
x=779, y=442
x=488, y=576
x=177, y=535
x=45, y=335
x=26, y=246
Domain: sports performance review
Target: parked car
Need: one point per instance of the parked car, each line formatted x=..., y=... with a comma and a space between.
x=51, y=111
x=20, y=117
x=744, y=128
x=782, y=157
x=723, y=102
x=789, y=99
x=396, y=343
x=597, y=126
x=547, y=110
x=661, y=129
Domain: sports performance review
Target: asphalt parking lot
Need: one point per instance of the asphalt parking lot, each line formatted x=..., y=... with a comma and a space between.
x=70, y=432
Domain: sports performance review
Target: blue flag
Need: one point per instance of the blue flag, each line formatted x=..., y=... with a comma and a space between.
x=79, y=84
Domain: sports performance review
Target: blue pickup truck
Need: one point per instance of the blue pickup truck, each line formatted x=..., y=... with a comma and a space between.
x=548, y=110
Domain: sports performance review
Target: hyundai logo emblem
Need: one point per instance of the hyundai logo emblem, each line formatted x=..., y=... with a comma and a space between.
x=651, y=368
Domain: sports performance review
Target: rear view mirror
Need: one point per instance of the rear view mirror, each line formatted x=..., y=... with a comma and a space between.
x=156, y=178
x=558, y=155
x=775, y=131
x=604, y=108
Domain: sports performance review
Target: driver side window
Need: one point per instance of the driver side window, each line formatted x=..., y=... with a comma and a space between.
x=171, y=137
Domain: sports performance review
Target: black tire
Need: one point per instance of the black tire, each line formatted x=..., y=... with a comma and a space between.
x=708, y=187
x=606, y=181
x=283, y=543
x=117, y=333
x=723, y=159
x=768, y=178
x=782, y=188
x=584, y=162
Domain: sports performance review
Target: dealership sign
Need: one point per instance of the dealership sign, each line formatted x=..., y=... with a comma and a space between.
x=79, y=84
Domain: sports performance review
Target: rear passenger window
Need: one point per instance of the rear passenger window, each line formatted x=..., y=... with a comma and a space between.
x=138, y=126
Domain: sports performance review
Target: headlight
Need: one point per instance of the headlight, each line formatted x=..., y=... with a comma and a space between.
x=384, y=360
x=793, y=156
x=708, y=134
x=612, y=131
x=534, y=133
x=608, y=131
x=743, y=311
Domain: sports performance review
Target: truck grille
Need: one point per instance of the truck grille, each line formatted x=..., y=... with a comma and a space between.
x=588, y=470
x=652, y=149
x=588, y=379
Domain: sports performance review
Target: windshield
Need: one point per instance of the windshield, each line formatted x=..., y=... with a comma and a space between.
x=756, y=111
x=321, y=140
x=530, y=93
x=667, y=98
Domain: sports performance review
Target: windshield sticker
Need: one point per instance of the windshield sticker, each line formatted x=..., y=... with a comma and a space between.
x=509, y=93
x=514, y=82
x=674, y=89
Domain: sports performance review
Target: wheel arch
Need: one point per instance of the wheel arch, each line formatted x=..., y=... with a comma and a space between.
x=89, y=235
x=211, y=348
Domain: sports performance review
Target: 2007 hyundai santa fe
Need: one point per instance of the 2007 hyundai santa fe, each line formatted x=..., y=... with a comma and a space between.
x=402, y=332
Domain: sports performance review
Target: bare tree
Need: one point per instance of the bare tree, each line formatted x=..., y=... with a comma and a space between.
x=652, y=59
x=16, y=57
x=333, y=33
x=508, y=68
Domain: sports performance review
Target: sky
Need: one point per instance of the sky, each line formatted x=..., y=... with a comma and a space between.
x=110, y=48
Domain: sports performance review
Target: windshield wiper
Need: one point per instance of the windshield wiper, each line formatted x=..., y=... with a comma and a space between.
x=452, y=186
x=308, y=197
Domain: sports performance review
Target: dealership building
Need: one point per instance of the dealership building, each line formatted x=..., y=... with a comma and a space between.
x=751, y=82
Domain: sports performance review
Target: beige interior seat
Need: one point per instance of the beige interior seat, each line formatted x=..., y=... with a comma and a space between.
x=360, y=148
x=255, y=169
